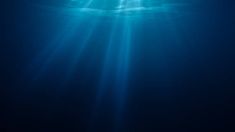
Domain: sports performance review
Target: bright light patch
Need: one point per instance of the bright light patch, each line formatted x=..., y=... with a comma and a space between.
x=118, y=7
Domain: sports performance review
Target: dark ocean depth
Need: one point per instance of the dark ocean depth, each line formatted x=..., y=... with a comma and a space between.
x=147, y=66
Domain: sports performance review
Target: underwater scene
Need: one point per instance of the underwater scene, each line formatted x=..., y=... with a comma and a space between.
x=118, y=65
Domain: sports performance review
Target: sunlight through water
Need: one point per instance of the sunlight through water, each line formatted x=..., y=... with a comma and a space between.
x=85, y=23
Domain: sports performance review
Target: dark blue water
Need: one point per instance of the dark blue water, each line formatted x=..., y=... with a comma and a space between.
x=168, y=67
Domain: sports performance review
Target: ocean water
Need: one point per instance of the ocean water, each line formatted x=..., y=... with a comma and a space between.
x=118, y=66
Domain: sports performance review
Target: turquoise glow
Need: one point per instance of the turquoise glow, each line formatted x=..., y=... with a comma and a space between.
x=109, y=30
x=118, y=7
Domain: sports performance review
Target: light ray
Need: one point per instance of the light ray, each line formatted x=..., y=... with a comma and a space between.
x=122, y=73
x=80, y=49
x=115, y=72
x=50, y=52
x=106, y=74
x=58, y=44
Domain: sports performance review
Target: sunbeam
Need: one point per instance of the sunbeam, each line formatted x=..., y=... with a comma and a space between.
x=113, y=82
x=122, y=71
x=58, y=44
x=106, y=74
x=81, y=46
x=117, y=65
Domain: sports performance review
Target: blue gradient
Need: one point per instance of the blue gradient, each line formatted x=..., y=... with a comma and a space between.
x=74, y=38
x=118, y=46
x=117, y=65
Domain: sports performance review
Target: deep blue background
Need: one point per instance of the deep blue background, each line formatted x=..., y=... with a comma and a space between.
x=180, y=82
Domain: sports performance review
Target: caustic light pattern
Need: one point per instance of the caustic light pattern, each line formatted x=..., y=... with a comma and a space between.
x=119, y=7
